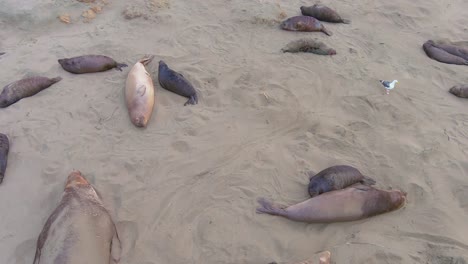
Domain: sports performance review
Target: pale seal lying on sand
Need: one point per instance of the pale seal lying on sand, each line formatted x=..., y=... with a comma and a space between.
x=323, y=13
x=308, y=45
x=176, y=83
x=89, y=64
x=349, y=204
x=80, y=230
x=139, y=93
x=18, y=90
x=460, y=91
x=336, y=178
x=434, y=52
x=304, y=23
x=4, y=148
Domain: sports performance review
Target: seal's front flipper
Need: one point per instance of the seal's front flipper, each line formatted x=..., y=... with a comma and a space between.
x=116, y=248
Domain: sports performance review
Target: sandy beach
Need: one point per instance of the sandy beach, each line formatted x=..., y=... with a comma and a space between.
x=184, y=189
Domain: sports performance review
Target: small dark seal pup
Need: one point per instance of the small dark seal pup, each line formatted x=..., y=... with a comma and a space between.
x=176, y=83
x=323, y=13
x=4, y=148
x=460, y=91
x=18, y=90
x=308, y=45
x=80, y=230
x=438, y=54
x=304, y=23
x=89, y=64
x=336, y=178
x=352, y=203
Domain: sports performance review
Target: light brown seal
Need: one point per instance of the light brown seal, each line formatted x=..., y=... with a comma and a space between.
x=139, y=93
x=460, y=91
x=308, y=45
x=4, y=149
x=18, y=90
x=80, y=230
x=438, y=54
x=335, y=178
x=323, y=13
x=90, y=64
x=304, y=23
x=352, y=203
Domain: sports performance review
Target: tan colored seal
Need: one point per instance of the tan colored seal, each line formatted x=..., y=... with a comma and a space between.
x=80, y=230
x=323, y=13
x=26, y=87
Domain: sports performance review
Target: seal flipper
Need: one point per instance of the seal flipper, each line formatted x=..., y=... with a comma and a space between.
x=345, y=21
x=324, y=30
x=368, y=181
x=119, y=66
x=116, y=248
x=193, y=100
x=266, y=207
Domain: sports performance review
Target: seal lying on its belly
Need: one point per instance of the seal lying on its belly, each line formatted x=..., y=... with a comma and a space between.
x=26, y=87
x=438, y=54
x=323, y=13
x=80, y=230
x=176, y=83
x=460, y=91
x=89, y=64
x=350, y=204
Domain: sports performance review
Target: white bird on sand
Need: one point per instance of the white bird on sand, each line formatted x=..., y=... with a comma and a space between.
x=388, y=85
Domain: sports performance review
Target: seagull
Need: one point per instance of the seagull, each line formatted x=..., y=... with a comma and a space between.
x=388, y=85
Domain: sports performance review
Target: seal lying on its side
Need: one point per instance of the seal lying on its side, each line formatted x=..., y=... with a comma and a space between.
x=336, y=178
x=18, y=90
x=438, y=54
x=323, y=13
x=89, y=64
x=176, y=83
x=452, y=49
x=349, y=204
x=308, y=45
x=4, y=148
x=460, y=91
x=304, y=23
x=80, y=230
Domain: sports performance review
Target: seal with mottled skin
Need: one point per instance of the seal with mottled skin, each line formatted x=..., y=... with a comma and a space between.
x=80, y=229
x=308, y=45
x=441, y=55
x=452, y=49
x=323, y=13
x=176, y=83
x=4, y=148
x=335, y=178
x=352, y=203
x=139, y=93
x=460, y=91
x=304, y=23
x=89, y=64
x=26, y=87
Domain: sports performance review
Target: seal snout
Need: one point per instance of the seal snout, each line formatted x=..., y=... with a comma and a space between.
x=76, y=178
x=139, y=121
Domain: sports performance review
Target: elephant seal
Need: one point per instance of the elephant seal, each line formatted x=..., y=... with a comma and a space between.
x=89, y=64
x=452, y=49
x=1, y=53
x=335, y=178
x=460, y=91
x=4, y=148
x=441, y=55
x=80, y=229
x=304, y=23
x=323, y=13
x=308, y=45
x=352, y=203
x=139, y=93
x=176, y=83
x=18, y=90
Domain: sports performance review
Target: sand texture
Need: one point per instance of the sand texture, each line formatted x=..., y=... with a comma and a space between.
x=184, y=189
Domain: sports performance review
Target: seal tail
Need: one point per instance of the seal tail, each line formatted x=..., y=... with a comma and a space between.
x=119, y=66
x=345, y=21
x=193, y=100
x=267, y=207
x=146, y=60
x=368, y=181
x=56, y=79
x=326, y=31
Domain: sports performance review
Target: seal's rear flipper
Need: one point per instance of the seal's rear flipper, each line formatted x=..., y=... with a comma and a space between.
x=267, y=207
x=368, y=181
x=120, y=66
x=193, y=100
x=345, y=21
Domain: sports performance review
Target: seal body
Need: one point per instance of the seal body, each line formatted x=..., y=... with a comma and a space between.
x=323, y=13
x=4, y=148
x=139, y=93
x=352, y=203
x=18, y=90
x=176, y=83
x=304, y=23
x=460, y=91
x=336, y=178
x=80, y=230
x=308, y=45
x=438, y=54
x=89, y=64
x=452, y=49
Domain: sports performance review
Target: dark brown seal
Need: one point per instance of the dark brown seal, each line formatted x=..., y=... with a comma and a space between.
x=80, y=230
x=304, y=23
x=89, y=64
x=441, y=55
x=308, y=45
x=18, y=90
x=323, y=13
x=176, y=83
x=349, y=204
x=452, y=49
x=1, y=53
x=336, y=178
x=460, y=91
x=4, y=148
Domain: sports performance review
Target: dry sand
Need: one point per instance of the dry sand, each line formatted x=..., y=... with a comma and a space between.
x=184, y=189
